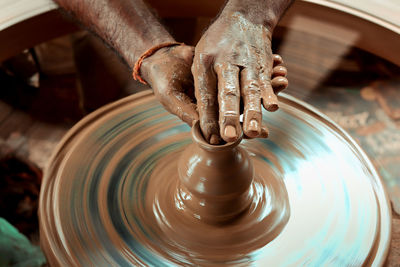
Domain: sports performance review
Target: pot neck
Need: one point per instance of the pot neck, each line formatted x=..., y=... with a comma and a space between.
x=198, y=139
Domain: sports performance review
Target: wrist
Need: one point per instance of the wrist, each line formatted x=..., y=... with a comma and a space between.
x=132, y=55
x=143, y=67
x=261, y=12
x=148, y=63
x=255, y=11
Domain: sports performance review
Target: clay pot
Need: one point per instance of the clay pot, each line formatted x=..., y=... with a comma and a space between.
x=214, y=179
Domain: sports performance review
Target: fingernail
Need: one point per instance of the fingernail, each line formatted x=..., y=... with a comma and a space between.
x=253, y=125
x=264, y=132
x=278, y=58
x=279, y=83
x=272, y=107
x=214, y=140
x=271, y=103
x=230, y=132
x=278, y=71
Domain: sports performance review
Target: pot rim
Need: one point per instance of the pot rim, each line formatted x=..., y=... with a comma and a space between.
x=198, y=138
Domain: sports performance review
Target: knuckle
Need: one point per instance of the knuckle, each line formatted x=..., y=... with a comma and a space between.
x=231, y=92
x=219, y=67
x=207, y=101
x=265, y=72
x=253, y=112
x=254, y=91
x=234, y=55
x=230, y=115
x=205, y=59
x=251, y=88
x=265, y=84
x=229, y=120
x=229, y=69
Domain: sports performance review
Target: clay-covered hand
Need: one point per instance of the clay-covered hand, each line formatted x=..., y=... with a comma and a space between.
x=234, y=65
x=168, y=73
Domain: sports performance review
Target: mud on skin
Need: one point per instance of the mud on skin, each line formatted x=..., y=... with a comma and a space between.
x=234, y=63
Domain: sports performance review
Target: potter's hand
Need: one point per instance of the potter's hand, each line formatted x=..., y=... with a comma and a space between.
x=234, y=65
x=121, y=22
x=168, y=73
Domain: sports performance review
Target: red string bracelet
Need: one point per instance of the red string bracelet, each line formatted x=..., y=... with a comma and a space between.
x=151, y=51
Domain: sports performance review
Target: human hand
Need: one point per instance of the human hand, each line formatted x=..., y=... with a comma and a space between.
x=234, y=64
x=168, y=73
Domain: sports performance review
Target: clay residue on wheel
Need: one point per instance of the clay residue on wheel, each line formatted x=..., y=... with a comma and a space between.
x=216, y=212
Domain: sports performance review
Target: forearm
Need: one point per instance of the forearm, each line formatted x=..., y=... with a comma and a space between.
x=265, y=12
x=126, y=25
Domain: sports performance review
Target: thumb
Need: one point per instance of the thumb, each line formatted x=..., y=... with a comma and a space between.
x=181, y=105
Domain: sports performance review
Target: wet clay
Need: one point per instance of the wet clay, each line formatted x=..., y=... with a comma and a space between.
x=233, y=65
x=218, y=207
x=108, y=199
x=214, y=180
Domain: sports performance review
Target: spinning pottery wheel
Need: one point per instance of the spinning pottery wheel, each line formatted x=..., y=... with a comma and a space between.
x=109, y=195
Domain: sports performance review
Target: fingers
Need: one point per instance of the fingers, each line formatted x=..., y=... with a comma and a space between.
x=229, y=101
x=263, y=134
x=277, y=59
x=269, y=99
x=279, y=71
x=264, y=91
x=251, y=95
x=279, y=81
x=206, y=95
x=181, y=105
x=218, y=95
